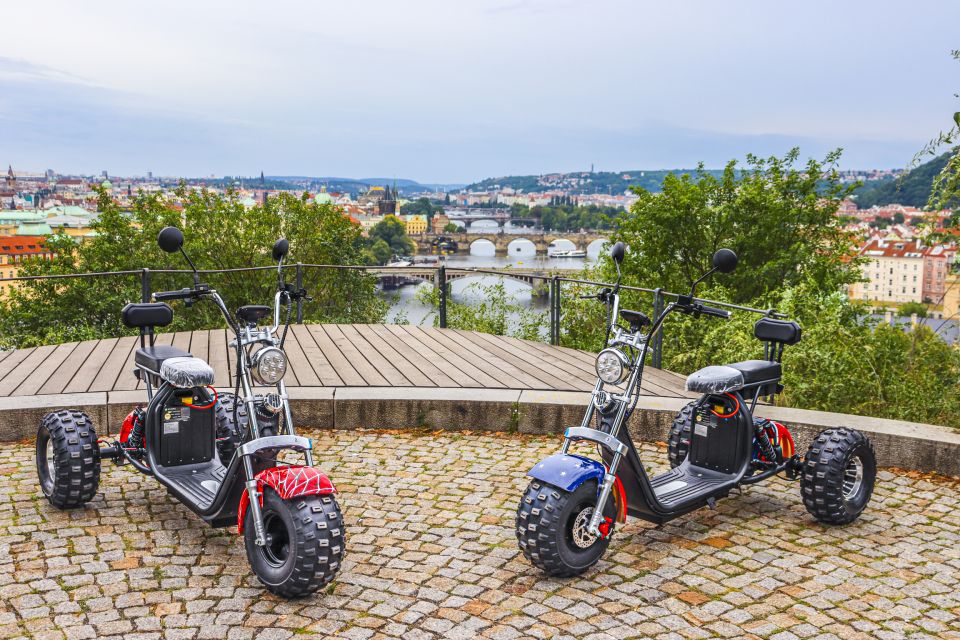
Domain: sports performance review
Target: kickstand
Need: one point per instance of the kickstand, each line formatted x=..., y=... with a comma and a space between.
x=712, y=503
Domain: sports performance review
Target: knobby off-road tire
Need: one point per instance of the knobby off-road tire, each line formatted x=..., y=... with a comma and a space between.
x=545, y=523
x=68, y=458
x=230, y=433
x=839, y=472
x=678, y=443
x=305, y=543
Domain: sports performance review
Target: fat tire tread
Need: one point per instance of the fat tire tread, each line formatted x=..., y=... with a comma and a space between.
x=678, y=443
x=230, y=435
x=318, y=528
x=821, y=483
x=76, y=454
x=538, y=529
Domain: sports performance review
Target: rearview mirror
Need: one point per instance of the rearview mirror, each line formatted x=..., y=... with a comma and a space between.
x=618, y=250
x=170, y=239
x=724, y=260
x=280, y=249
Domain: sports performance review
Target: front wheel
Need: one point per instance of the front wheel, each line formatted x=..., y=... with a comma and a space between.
x=552, y=528
x=68, y=458
x=305, y=543
x=839, y=471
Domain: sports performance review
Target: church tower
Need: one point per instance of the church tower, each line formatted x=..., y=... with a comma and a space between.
x=11, y=179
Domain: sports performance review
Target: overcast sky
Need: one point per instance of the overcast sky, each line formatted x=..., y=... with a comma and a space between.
x=457, y=90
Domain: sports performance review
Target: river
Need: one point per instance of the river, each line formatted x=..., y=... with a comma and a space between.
x=522, y=255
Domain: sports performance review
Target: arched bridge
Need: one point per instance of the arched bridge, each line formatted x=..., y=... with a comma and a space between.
x=501, y=241
x=537, y=278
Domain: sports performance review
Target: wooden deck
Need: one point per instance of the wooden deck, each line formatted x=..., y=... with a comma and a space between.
x=331, y=355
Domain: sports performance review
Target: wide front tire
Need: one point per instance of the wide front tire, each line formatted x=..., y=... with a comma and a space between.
x=678, y=442
x=305, y=543
x=551, y=528
x=68, y=458
x=839, y=472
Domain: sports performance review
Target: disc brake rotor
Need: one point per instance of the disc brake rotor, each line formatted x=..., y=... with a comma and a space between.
x=581, y=537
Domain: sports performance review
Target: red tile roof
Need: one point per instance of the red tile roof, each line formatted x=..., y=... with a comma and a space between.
x=22, y=245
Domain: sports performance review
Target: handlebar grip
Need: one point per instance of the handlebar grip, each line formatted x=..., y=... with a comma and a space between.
x=182, y=294
x=716, y=313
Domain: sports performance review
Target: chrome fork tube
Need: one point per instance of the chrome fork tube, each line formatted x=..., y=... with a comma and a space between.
x=254, y=495
x=608, y=479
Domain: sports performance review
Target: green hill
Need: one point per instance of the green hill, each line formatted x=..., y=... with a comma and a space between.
x=912, y=189
x=613, y=182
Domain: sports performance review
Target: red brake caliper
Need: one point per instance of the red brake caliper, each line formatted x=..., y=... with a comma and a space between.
x=605, y=527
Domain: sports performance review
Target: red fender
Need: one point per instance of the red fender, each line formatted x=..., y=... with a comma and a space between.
x=289, y=482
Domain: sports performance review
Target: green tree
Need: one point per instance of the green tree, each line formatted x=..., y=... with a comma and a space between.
x=220, y=233
x=780, y=220
x=911, y=308
x=393, y=232
x=450, y=228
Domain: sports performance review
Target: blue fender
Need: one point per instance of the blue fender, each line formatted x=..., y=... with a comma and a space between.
x=568, y=472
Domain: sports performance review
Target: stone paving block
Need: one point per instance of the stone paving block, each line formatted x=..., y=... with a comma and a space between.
x=432, y=554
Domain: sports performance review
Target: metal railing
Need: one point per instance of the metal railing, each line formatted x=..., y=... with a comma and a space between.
x=441, y=282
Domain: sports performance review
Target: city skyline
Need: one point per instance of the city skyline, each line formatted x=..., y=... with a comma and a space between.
x=454, y=94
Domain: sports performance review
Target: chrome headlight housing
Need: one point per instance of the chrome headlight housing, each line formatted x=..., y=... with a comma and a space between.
x=268, y=365
x=612, y=366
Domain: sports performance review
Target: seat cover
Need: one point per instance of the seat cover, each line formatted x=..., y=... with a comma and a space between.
x=152, y=357
x=715, y=379
x=186, y=372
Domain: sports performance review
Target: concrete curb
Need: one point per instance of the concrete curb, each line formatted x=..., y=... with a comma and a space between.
x=908, y=445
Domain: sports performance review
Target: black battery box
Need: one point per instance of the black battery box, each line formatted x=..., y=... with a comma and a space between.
x=187, y=434
x=716, y=440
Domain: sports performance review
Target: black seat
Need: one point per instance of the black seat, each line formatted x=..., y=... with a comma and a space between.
x=756, y=371
x=138, y=315
x=253, y=313
x=637, y=319
x=152, y=357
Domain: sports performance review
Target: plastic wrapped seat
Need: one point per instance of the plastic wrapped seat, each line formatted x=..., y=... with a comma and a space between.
x=715, y=379
x=186, y=372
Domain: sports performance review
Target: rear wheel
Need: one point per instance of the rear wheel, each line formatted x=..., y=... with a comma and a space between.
x=839, y=472
x=230, y=431
x=552, y=528
x=678, y=443
x=68, y=458
x=305, y=543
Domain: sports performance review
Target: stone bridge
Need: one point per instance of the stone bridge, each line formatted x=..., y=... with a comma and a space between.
x=538, y=279
x=501, y=241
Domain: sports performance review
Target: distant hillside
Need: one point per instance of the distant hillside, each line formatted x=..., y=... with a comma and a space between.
x=614, y=182
x=357, y=185
x=912, y=189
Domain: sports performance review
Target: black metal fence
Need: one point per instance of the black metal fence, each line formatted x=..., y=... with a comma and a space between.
x=439, y=275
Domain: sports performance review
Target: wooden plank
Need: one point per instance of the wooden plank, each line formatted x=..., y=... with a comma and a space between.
x=432, y=338
x=318, y=359
x=492, y=365
x=42, y=373
x=541, y=379
x=83, y=378
x=127, y=380
x=57, y=382
x=111, y=369
x=381, y=347
x=26, y=366
x=424, y=364
x=200, y=345
x=222, y=372
x=383, y=366
x=550, y=361
x=319, y=348
x=299, y=362
x=181, y=340
x=461, y=371
x=13, y=360
x=358, y=360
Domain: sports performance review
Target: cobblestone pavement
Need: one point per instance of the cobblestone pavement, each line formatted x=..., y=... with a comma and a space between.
x=431, y=553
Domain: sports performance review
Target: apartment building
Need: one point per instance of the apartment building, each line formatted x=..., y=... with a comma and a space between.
x=893, y=271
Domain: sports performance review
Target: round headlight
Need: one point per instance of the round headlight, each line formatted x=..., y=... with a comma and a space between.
x=612, y=366
x=268, y=365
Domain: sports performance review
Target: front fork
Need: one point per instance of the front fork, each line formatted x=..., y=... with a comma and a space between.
x=251, y=483
x=593, y=528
